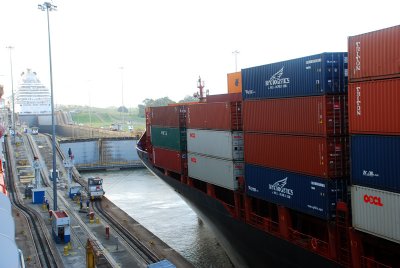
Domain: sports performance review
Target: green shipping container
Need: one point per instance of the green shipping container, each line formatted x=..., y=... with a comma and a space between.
x=169, y=138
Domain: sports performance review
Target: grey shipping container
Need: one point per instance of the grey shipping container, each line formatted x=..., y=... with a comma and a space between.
x=215, y=143
x=376, y=212
x=224, y=173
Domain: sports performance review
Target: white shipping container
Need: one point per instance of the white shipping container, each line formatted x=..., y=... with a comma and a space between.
x=216, y=143
x=221, y=172
x=376, y=212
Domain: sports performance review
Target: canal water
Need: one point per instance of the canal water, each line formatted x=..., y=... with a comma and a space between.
x=159, y=208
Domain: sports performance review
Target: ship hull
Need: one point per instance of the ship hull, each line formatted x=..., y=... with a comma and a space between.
x=246, y=246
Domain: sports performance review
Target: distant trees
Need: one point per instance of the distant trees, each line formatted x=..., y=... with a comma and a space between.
x=189, y=99
x=141, y=108
x=158, y=102
x=150, y=102
x=122, y=109
x=161, y=102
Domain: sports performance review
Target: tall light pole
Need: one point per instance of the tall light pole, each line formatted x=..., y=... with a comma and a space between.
x=12, y=94
x=236, y=52
x=122, y=94
x=46, y=6
x=90, y=112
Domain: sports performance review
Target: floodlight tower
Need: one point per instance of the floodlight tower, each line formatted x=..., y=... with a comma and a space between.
x=12, y=94
x=47, y=6
x=236, y=52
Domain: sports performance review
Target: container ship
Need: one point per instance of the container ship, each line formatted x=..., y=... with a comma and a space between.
x=298, y=164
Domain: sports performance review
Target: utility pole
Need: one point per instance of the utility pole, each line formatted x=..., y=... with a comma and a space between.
x=46, y=6
x=12, y=94
x=236, y=52
x=122, y=95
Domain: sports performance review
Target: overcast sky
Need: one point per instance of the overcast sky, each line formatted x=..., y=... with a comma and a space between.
x=163, y=46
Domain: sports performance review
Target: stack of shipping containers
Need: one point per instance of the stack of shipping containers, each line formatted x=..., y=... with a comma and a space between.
x=374, y=125
x=168, y=137
x=295, y=132
x=215, y=141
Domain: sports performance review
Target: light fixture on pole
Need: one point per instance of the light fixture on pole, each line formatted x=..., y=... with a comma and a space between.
x=46, y=6
x=90, y=106
x=122, y=95
x=12, y=95
x=90, y=112
x=236, y=52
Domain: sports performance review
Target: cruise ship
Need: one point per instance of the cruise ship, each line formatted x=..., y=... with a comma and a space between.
x=32, y=97
x=32, y=100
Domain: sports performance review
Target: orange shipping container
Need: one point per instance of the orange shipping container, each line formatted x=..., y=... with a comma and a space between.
x=314, y=115
x=374, y=55
x=215, y=115
x=235, y=82
x=374, y=107
x=314, y=156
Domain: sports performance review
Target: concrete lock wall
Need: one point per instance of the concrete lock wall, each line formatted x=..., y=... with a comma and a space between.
x=102, y=153
x=120, y=150
x=85, y=152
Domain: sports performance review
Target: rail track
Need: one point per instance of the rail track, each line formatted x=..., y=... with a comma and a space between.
x=45, y=253
x=145, y=253
x=39, y=145
x=43, y=142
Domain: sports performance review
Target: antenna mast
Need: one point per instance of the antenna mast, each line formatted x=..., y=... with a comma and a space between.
x=200, y=86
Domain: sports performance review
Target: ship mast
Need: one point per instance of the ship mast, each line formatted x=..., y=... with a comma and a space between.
x=200, y=86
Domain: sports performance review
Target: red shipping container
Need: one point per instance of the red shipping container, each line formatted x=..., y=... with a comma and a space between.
x=316, y=115
x=168, y=159
x=167, y=116
x=148, y=122
x=224, y=97
x=316, y=156
x=374, y=107
x=216, y=115
x=374, y=54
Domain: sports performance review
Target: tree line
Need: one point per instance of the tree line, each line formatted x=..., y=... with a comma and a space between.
x=161, y=102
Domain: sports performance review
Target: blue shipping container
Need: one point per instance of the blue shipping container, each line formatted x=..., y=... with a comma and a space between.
x=162, y=264
x=311, y=195
x=38, y=196
x=319, y=74
x=375, y=161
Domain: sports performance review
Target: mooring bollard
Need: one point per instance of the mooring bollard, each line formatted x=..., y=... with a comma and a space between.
x=108, y=232
x=91, y=217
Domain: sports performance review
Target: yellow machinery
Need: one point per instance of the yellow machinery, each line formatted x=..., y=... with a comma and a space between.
x=95, y=256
